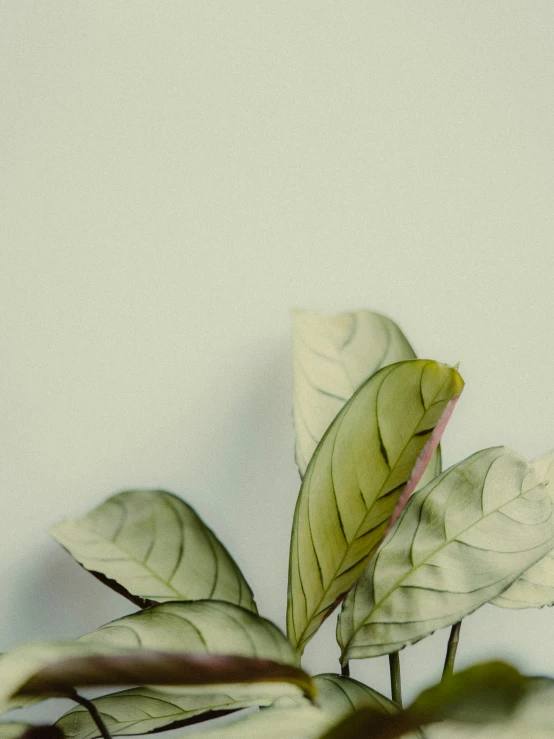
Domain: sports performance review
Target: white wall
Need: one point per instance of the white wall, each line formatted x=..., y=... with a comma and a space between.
x=176, y=177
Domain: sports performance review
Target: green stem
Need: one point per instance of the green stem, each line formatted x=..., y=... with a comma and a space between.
x=345, y=669
x=91, y=708
x=395, y=679
x=451, y=651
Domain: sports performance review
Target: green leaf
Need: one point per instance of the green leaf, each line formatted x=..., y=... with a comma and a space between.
x=364, y=467
x=297, y=722
x=338, y=696
x=459, y=542
x=40, y=670
x=535, y=587
x=152, y=547
x=211, y=628
x=332, y=357
x=482, y=694
x=144, y=710
x=208, y=626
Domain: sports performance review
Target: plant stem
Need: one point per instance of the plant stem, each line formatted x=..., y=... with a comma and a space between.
x=345, y=669
x=451, y=651
x=91, y=708
x=395, y=679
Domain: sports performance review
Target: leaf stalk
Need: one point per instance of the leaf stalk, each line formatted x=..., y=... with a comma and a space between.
x=395, y=678
x=451, y=649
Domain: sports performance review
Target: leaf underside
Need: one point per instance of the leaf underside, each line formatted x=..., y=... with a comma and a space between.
x=354, y=480
x=460, y=541
x=152, y=547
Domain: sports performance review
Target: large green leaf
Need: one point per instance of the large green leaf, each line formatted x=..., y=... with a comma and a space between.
x=144, y=710
x=208, y=626
x=212, y=628
x=368, y=462
x=332, y=357
x=535, y=587
x=482, y=694
x=459, y=542
x=40, y=670
x=152, y=547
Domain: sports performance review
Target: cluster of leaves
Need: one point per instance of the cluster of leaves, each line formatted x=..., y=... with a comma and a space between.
x=404, y=548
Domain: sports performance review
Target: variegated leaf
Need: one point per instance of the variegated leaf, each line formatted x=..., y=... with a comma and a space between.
x=365, y=467
x=150, y=546
x=460, y=541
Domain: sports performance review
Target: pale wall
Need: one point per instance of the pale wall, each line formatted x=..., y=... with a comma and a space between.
x=176, y=177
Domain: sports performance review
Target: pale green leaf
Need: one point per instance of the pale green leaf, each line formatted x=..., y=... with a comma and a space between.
x=152, y=547
x=211, y=628
x=37, y=671
x=459, y=542
x=332, y=357
x=535, y=587
x=338, y=696
x=208, y=626
x=297, y=722
x=144, y=710
x=368, y=462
